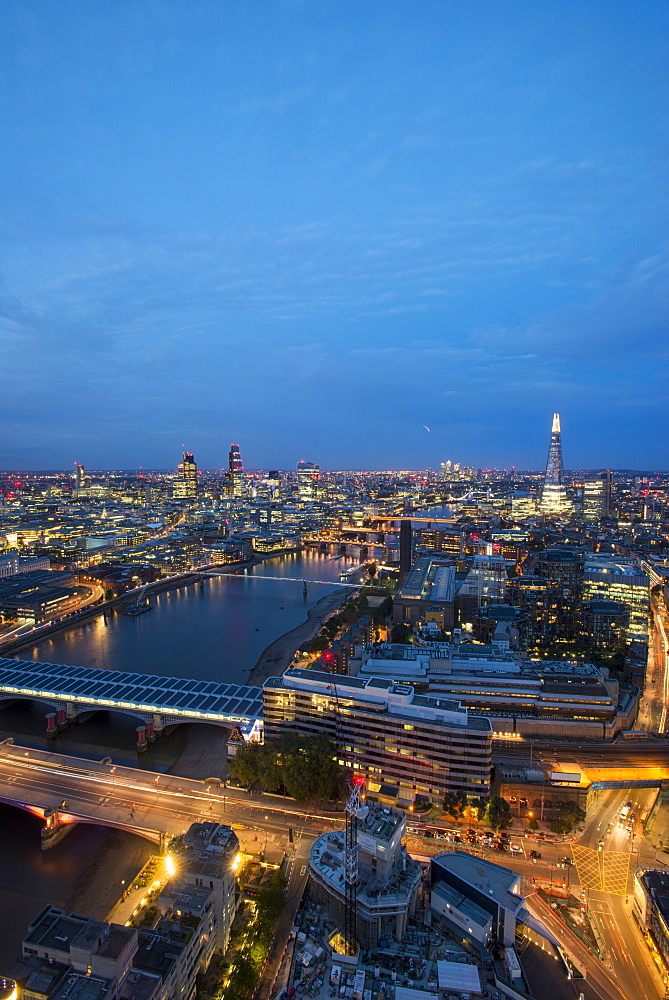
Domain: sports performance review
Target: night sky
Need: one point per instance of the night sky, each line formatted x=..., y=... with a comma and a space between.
x=318, y=228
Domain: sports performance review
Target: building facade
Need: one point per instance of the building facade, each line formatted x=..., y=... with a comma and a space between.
x=405, y=743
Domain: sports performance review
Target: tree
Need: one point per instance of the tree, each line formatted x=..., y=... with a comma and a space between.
x=533, y=823
x=371, y=570
x=454, y=803
x=400, y=633
x=304, y=766
x=477, y=808
x=499, y=813
x=569, y=814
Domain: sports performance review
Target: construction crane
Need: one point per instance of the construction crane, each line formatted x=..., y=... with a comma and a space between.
x=355, y=811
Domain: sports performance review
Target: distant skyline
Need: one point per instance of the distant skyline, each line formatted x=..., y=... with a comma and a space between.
x=375, y=235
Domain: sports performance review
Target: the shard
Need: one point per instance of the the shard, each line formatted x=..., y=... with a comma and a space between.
x=553, y=496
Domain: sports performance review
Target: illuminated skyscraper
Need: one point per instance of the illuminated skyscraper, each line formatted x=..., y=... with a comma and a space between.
x=185, y=484
x=308, y=475
x=597, y=497
x=553, y=496
x=236, y=470
x=79, y=476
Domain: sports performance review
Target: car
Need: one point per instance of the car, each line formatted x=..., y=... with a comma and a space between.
x=515, y=849
x=535, y=855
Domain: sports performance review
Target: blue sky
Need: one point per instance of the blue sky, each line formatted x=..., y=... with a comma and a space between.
x=313, y=228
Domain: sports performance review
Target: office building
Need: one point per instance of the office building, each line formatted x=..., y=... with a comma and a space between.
x=597, y=497
x=79, y=477
x=404, y=744
x=532, y=697
x=476, y=899
x=553, y=495
x=603, y=623
x=565, y=568
x=388, y=878
x=484, y=582
x=609, y=577
x=185, y=483
x=308, y=476
x=430, y=583
x=650, y=905
x=538, y=597
x=235, y=472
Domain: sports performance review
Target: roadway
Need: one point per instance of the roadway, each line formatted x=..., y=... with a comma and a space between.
x=626, y=970
x=626, y=954
x=140, y=801
x=144, y=802
x=653, y=708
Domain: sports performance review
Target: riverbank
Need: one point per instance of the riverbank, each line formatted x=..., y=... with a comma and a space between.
x=278, y=656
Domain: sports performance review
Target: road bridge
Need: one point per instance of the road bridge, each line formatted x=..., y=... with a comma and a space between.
x=157, y=701
x=65, y=791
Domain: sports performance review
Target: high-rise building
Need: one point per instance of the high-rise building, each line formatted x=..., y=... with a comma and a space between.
x=308, y=475
x=597, y=497
x=236, y=470
x=79, y=476
x=553, y=496
x=185, y=484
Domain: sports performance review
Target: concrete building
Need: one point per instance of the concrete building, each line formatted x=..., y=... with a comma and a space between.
x=516, y=693
x=209, y=861
x=388, y=878
x=477, y=899
x=429, y=583
x=651, y=908
x=405, y=744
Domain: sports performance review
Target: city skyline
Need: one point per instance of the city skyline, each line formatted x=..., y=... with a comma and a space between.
x=376, y=236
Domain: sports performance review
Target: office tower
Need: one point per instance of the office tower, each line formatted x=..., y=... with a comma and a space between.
x=308, y=475
x=406, y=553
x=553, y=496
x=597, y=497
x=446, y=469
x=236, y=470
x=79, y=476
x=185, y=484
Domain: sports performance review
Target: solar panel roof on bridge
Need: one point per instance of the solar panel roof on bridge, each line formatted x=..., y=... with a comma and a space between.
x=144, y=692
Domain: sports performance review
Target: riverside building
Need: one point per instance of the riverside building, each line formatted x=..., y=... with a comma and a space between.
x=516, y=694
x=404, y=743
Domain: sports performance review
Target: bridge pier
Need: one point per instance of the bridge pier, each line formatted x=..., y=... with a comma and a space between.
x=70, y=712
x=54, y=831
x=158, y=725
x=51, y=729
x=141, y=739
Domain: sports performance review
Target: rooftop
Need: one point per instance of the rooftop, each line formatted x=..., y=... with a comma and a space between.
x=489, y=878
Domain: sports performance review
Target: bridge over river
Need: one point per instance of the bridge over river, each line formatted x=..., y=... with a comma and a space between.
x=157, y=701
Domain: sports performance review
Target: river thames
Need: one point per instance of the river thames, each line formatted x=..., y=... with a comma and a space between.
x=216, y=631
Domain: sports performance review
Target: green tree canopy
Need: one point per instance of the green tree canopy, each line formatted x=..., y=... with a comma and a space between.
x=499, y=813
x=304, y=766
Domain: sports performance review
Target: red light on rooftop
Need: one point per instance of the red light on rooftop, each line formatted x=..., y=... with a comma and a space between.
x=358, y=781
x=327, y=656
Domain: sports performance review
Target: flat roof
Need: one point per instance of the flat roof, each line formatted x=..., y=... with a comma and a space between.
x=458, y=976
x=490, y=879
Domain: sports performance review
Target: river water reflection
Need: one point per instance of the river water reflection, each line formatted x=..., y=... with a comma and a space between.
x=215, y=631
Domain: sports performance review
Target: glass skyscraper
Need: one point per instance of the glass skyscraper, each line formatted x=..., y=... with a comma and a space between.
x=553, y=496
